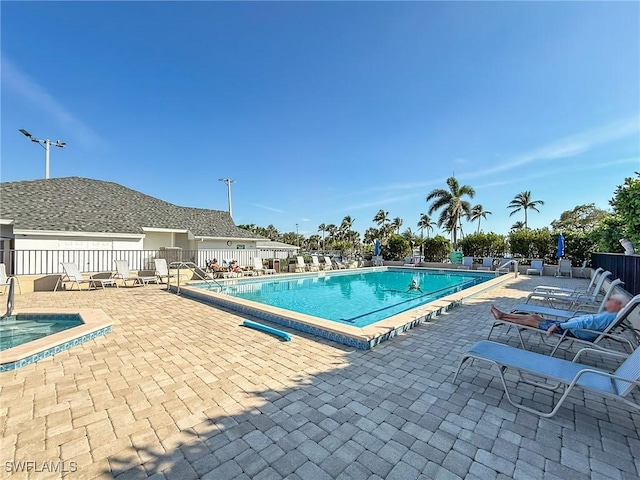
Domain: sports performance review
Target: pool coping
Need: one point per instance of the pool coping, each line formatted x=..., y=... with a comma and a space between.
x=95, y=323
x=360, y=337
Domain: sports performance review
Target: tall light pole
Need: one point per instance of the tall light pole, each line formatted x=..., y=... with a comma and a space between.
x=44, y=144
x=297, y=236
x=228, y=181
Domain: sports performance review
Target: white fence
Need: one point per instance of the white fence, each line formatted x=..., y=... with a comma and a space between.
x=48, y=262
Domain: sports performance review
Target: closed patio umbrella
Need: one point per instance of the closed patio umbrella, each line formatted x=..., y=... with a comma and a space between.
x=560, y=253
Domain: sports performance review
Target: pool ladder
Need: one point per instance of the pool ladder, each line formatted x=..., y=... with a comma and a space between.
x=10, y=296
x=197, y=271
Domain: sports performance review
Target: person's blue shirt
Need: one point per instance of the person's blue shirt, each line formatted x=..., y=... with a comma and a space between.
x=598, y=322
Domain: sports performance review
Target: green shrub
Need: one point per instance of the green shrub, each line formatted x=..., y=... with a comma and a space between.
x=436, y=249
x=578, y=246
x=483, y=245
x=397, y=248
x=532, y=243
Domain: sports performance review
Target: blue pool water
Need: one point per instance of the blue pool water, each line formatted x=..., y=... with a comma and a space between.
x=22, y=328
x=359, y=298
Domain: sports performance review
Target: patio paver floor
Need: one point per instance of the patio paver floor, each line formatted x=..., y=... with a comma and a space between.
x=180, y=390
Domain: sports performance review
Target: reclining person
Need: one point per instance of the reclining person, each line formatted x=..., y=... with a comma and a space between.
x=596, y=322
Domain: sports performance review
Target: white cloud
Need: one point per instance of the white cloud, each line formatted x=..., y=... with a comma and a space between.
x=265, y=207
x=304, y=219
x=566, y=147
x=30, y=90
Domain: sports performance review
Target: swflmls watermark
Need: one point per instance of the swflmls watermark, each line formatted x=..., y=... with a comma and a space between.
x=59, y=466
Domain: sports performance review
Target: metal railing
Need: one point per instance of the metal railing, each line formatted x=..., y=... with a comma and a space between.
x=48, y=262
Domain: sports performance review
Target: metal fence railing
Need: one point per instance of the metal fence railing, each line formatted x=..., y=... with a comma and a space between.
x=48, y=262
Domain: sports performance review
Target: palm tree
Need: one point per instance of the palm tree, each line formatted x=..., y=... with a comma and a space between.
x=272, y=232
x=478, y=213
x=452, y=205
x=332, y=230
x=322, y=228
x=522, y=201
x=517, y=226
x=345, y=228
x=425, y=223
x=397, y=223
x=381, y=217
x=370, y=235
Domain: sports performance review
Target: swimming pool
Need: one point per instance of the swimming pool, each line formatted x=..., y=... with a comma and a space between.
x=20, y=329
x=360, y=298
x=360, y=308
x=32, y=335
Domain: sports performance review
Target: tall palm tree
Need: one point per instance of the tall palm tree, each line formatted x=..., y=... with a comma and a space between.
x=332, y=230
x=522, y=201
x=272, y=232
x=517, y=226
x=381, y=217
x=322, y=228
x=345, y=228
x=478, y=213
x=452, y=204
x=425, y=223
x=397, y=223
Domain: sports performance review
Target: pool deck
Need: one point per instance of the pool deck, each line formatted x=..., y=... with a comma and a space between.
x=180, y=390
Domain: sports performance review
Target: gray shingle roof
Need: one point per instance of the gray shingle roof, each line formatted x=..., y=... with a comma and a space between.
x=86, y=205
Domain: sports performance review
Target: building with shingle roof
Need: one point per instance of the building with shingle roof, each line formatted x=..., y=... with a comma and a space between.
x=81, y=213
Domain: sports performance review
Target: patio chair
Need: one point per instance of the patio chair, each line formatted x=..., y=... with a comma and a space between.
x=630, y=338
x=378, y=261
x=583, y=268
x=162, y=270
x=412, y=261
x=537, y=266
x=554, y=289
x=315, y=264
x=258, y=267
x=571, y=298
x=300, y=265
x=339, y=264
x=583, y=307
x=4, y=278
x=569, y=375
x=467, y=263
x=72, y=274
x=564, y=268
x=123, y=273
x=327, y=263
x=487, y=264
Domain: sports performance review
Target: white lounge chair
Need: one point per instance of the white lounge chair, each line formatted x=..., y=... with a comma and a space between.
x=258, y=267
x=327, y=263
x=555, y=290
x=162, y=270
x=315, y=264
x=411, y=261
x=72, y=274
x=339, y=264
x=537, y=266
x=564, y=268
x=571, y=298
x=567, y=375
x=467, y=263
x=300, y=265
x=378, y=261
x=123, y=273
x=583, y=268
x=487, y=264
x=631, y=340
x=4, y=278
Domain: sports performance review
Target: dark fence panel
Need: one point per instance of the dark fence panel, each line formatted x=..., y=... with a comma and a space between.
x=624, y=267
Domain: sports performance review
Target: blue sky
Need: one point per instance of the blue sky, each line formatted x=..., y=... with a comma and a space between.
x=320, y=110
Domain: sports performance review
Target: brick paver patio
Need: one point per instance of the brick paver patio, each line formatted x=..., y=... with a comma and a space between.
x=179, y=390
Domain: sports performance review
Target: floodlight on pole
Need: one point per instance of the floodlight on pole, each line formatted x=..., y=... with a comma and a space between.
x=228, y=181
x=44, y=144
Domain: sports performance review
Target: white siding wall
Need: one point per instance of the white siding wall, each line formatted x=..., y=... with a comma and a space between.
x=155, y=240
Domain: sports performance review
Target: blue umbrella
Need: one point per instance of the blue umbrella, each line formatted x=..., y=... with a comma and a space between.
x=376, y=247
x=560, y=253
